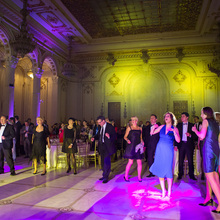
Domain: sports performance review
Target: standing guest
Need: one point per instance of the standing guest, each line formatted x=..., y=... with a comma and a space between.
x=217, y=116
x=186, y=145
x=7, y=133
x=151, y=141
x=85, y=131
x=27, y=132
x=40, y=140
x=61, y=132
x=141, y=124
x=18, y=127
x=69, y=144
x=106, y=145
x=96, y=130
x=163, y=163
x=210, y=134
x=133, y=137
x=11, y=121
x=30, y=123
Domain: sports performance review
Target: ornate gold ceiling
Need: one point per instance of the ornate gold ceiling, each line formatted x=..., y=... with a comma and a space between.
x=108, y=18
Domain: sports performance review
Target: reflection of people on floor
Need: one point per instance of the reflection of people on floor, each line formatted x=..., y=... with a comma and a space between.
x=133, y=136
x=163, y=162
x=210, y=133
x=69, y=144
x=40, y=140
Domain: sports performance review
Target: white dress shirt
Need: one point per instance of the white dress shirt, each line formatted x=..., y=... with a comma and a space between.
x=185, y=129
x=103, y=128
x=1, y=132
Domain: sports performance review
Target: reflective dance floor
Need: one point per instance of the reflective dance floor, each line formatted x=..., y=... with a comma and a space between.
x=58, y=195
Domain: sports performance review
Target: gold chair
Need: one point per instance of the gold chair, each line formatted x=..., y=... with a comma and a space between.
x=82, y=154
x=94, y=155
x=61, y=157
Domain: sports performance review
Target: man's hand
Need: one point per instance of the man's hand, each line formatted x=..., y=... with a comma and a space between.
x=3, y=137
x=107, y=135
x=92, y=139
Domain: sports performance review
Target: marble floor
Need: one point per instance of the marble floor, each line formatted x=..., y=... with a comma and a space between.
x=58, y=195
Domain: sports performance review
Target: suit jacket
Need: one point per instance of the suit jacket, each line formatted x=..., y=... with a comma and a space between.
x=17, y=127
x=109, y=144
x=149, y=141
x=30, y=130
x=190, y=140
x=9, y=134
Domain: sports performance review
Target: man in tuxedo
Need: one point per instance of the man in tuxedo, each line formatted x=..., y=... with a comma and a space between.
x=186, y=145
x=150, y=141
x=107, y=137
x=7, y=134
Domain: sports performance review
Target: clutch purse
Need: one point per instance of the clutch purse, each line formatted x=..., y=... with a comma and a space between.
x=141, y=147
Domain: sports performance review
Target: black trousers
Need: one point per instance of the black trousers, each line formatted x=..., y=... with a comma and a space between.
x=150, y=154
x=105, y=162
x=27, y=147
x=7, y=153
x=186, y=150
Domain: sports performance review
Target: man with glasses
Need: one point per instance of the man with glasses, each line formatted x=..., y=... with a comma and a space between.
x=106, y=145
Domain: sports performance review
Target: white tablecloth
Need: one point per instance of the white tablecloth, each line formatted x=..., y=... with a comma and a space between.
x=51, y=156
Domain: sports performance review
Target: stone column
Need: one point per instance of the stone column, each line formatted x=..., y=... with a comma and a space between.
x=55, y=100
x=11, y=64
x=36, y=93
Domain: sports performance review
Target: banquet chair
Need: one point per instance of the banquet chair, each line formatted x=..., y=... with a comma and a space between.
x=82, y=154
x=94, y=155
x=61, y=157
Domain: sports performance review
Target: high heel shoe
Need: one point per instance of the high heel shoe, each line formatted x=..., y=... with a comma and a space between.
x=207, y=203
x=75, y=172
x=42, y=174
x=218, y=212
x=140, y=181
x=35, y=172
x=126, y=179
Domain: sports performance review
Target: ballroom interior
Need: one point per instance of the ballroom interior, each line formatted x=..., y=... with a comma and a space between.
x=116, y=58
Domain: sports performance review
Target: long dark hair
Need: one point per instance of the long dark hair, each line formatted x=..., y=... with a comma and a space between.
x=173, y=118
x=208, y=112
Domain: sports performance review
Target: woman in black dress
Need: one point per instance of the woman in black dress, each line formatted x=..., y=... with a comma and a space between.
x=210, y=133
x=40, y=140
x=133, y=137
x=69, y=144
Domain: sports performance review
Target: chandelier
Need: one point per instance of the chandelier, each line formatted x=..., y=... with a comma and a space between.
x=214, y=66
x=69, y=69
x=23, y=43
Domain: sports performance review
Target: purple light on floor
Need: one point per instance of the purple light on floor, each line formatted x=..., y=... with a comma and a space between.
x=17, y=167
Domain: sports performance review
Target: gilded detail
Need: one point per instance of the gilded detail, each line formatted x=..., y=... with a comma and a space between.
x=179, y=77
x=114, y=80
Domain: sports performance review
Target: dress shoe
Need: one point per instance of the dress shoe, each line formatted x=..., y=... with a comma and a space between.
x=193, y=178
x=13, y=174
x=102, y=178
x=105, y=181
x=126, y=179
x=179, y=177
x=218, y=212
x=42, y=174
x=207, y=203
x=69, y=169
x=151, y=175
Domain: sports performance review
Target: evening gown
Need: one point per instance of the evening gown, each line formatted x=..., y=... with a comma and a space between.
x=68, y=138
x=163, y=161
x=39, y=145
x=211, y=148
x=135, y=137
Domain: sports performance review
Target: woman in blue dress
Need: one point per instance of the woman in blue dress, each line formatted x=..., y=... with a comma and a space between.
x=163, y=161
x=210, y=133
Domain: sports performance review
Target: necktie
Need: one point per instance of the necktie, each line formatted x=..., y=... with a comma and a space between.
x=101, y=136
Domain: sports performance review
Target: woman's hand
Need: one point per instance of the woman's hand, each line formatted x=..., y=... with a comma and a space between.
x=128, y=141
x=70, y=146
x=194, y=128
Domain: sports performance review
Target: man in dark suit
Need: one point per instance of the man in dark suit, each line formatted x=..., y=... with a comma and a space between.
x=17, y=127
x=107, y=137
x=186, y=145
x=150, y=141
x=27, y=132
x=7, y=134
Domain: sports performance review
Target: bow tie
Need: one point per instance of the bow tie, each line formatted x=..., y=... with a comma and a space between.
x=184, y=123
x=3, y=125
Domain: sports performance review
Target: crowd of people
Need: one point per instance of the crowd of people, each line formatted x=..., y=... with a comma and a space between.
x=153, y=141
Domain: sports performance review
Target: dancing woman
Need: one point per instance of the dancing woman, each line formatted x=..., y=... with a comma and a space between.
x=210, y=133
x=163, y=161
x=133, y=137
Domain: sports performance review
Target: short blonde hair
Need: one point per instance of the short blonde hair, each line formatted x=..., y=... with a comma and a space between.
x=40, y=118
x=134, y=118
